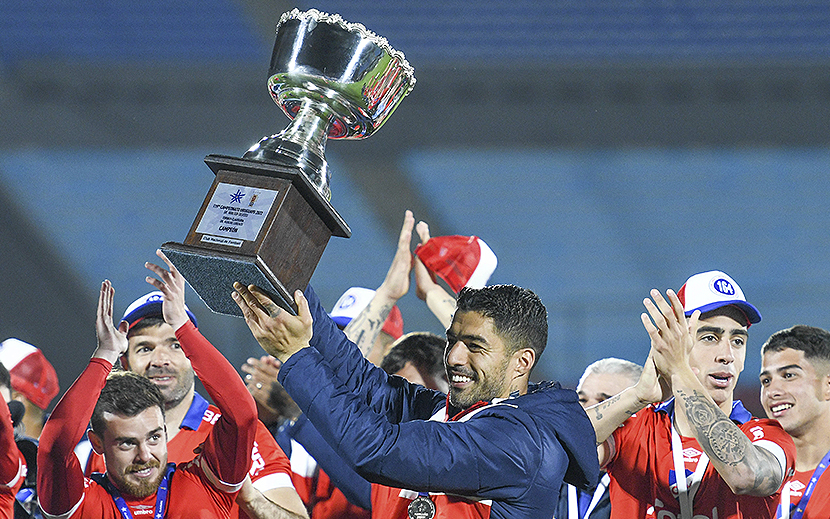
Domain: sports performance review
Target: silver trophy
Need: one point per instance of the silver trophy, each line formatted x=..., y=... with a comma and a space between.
x=335, y=80
x=267, y=217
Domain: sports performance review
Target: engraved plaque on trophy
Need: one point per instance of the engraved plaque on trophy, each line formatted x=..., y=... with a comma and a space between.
x=267, y=219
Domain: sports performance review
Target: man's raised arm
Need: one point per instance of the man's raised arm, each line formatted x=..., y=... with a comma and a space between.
x=60, y=477
x=609, y=414
x=229, y=445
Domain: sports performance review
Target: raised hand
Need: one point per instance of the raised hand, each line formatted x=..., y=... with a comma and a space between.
x=396, y=283
x=112, y=340
x=670, y=333
x=439, y=301
x=278, y=332
x=171, y=284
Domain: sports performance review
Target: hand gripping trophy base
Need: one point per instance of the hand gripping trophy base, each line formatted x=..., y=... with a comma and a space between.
x=261, y=224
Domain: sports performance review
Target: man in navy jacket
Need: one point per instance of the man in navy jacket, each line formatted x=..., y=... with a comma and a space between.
x=496, y=446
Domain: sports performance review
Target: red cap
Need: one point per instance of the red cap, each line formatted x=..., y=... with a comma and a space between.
x=461, y=261
x=394, y=323
x=31, y=374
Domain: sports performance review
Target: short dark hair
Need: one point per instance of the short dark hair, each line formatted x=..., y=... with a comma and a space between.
x=5, y=377
x=518, y=314
x=126, y=394
x=814, y=342
x=423, y=349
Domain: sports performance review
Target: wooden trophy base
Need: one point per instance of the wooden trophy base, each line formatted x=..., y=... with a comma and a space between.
x=261, y=224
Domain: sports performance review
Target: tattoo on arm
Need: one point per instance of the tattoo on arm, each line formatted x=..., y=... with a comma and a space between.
x=727, y=444
x=369, y=324
x=715, y=430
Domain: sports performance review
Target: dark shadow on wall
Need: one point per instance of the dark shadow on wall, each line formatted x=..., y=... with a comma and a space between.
x=44, y=302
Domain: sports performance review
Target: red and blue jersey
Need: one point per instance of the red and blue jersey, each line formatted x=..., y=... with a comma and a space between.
x=270, y=467
x=643, y=481
x=818, y=505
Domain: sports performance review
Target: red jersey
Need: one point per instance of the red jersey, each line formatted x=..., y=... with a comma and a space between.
x=270, y=467
x=12, y=464
x=318, y=493
x=187, y=486
x=203, y=487
x=643, y=482
x=393, y=503
x=818, y=506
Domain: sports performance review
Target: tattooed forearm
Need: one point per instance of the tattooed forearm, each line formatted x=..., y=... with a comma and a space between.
x=714, y=429
x=747, y=469
x=602, y=406
x=366, y=327
x=609, y=414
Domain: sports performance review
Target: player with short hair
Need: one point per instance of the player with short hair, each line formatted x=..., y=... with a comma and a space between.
x=129, y=430
x=497, y=447
x=154, y=352
x=699, y=454
x=795, y=390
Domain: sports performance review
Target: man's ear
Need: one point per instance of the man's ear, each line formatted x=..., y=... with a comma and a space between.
x=96, y=442
x=525, y=359
x=125, y=364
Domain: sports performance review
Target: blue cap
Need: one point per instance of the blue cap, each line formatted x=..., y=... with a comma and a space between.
x=149, y=306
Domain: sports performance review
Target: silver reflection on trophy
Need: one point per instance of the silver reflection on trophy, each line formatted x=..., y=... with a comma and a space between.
x=335, y=80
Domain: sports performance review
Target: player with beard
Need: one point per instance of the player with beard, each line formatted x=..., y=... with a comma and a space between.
x=498, y=447
x=155, y=353
x=128, y=428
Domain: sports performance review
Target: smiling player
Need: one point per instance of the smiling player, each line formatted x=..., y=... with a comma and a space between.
x=700, y=454
x=795, y=390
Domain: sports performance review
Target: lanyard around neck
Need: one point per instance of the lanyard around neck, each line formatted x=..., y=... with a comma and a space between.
x=573, y=499
x=121, y=504
x=686, y=487
x=784, y=507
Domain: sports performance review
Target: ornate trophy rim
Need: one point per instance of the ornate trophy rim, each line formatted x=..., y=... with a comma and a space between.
x=336, y=19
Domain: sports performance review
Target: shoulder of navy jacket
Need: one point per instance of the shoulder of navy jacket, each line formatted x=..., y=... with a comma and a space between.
x=534, y=387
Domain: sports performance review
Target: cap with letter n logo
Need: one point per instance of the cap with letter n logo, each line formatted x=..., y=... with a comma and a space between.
x=713, y=289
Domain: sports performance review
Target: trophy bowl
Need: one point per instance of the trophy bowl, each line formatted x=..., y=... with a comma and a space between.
x=334, y=80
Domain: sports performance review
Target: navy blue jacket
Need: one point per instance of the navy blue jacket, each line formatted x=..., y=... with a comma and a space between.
x=515, y=453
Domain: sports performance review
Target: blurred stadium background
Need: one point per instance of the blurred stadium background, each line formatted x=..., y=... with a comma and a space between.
x=601, y=148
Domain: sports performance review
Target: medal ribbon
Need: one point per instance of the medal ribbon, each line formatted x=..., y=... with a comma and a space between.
x=686, y=487
x=573, y=502
x=784, y=508
x=121, y=504
x=462, y=413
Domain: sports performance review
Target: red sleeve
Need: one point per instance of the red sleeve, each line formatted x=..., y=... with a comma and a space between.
x=229, y=445
x=332, y=504
x=9, y=457
x=60, y=477
x=770, y=435
x=268, y=459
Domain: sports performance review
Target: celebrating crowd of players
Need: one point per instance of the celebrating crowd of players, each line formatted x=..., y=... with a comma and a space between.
x=440, y=428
